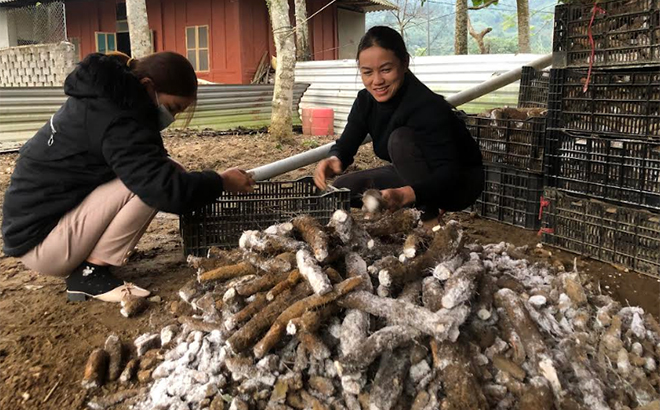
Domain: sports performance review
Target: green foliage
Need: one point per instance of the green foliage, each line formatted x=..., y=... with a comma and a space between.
x=477, y=3
x=310, y=144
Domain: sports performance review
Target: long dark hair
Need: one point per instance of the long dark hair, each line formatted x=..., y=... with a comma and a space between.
x=170, y=72
x=386, y=38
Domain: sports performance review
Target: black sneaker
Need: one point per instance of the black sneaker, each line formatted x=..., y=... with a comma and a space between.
x=93, y=281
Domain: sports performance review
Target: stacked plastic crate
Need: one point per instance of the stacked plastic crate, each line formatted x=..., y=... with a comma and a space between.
x=602, y=156
x=512, y=144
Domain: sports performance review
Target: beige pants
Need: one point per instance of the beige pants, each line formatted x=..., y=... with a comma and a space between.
x=106, y=226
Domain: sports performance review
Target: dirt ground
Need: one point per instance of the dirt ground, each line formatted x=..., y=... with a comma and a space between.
x=45, y=341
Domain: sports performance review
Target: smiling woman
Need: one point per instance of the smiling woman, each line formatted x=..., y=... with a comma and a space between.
x=435, y=163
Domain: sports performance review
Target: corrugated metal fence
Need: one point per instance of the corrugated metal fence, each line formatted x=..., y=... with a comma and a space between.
x=24, y=110
x=335, y=84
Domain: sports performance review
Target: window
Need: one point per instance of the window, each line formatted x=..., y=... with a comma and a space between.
x=106, y=42
x=197, y=46
x=122, y=19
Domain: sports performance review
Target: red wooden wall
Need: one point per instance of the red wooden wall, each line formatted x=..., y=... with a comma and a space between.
x=239, y=30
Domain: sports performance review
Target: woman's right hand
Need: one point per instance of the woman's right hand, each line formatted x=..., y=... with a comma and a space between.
x=236, y=180
x=326, y=169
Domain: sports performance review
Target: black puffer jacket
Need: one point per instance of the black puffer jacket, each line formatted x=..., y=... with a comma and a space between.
x=107, y=128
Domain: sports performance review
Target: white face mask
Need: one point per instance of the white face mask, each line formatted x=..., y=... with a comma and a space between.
x=165, y=117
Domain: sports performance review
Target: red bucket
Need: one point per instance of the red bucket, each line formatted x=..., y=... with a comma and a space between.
x=318, y=121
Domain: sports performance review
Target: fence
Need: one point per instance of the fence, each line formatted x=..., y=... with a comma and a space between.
x=42, y=65
x=24, y=110
x=42, y=23
x=335, y=84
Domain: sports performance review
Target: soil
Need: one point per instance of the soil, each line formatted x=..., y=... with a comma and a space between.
x=45, y=341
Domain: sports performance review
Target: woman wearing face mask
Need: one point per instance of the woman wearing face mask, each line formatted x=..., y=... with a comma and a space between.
x=88, y=184
x=435, y=163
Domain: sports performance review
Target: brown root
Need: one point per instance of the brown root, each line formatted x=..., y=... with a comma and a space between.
x=247, y=312
x=399, y=222
x=261, y=283
x=461, y=387
x=432, y=292
x=314, y=345
x=228, y=272
x=133, y=305
x=291, y=281
x=521, y=322
x=388, y=383
x=485, y=290
x=460, y=287
x=95, y=369
x=312, y=232
x=386, y=339
x=114, y=348
x=440, y=324
x=311, y=320
x=297, y=309
x=350, y=233
x=251, y=331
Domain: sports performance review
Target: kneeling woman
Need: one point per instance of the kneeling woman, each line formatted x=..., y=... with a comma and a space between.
x=435, y=163
x=88, y=184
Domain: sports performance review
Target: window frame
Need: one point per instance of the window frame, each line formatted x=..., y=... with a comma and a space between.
x=106, y=34
x=197, y=48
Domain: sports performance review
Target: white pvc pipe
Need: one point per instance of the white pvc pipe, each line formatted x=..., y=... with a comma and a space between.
x=314, y=155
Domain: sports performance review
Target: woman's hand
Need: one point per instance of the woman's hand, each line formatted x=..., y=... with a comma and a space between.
x=237, y=180
x=326, y=169
x=397, y=198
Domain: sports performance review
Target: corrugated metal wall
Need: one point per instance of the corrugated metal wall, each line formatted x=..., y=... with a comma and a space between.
x=335, y=84
x=24, y=110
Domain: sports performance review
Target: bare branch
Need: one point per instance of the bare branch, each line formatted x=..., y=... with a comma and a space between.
x=479, y=37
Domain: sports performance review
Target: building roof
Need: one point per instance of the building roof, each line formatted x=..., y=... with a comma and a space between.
x=367, y=6
x=364, y=6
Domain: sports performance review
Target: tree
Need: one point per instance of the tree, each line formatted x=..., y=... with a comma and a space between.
x=461, y=36
x=138, y=28
x=407, y=11
x=523, y=26
x=303, y=51
x=479, y=37
x=281, y=128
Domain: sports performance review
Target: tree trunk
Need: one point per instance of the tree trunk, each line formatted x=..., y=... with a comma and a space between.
x=138, y=28
x=280, y=123
x=460, y=40
x=479, y=37
x=523, y=26
x=303, y=52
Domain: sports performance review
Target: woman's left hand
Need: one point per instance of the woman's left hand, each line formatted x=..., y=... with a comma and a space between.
x=397, y=198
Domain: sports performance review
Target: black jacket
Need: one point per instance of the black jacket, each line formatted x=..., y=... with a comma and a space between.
x=446, y=142
x=106, y=129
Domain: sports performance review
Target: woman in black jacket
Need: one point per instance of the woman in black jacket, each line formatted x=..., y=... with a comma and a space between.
x=435, y=163
x=88, y=184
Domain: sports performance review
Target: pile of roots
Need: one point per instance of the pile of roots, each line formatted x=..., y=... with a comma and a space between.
x=384, y=314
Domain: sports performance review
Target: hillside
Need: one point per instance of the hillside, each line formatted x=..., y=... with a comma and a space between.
x=436, y=18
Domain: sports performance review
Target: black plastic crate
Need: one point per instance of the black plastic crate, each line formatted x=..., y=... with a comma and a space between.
x=626, y=35
x=518, y=143
x=222, y=223
x=617, y=103
x=622, y=171
x=533, y=91
x=511, y=196
x=619, y=235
